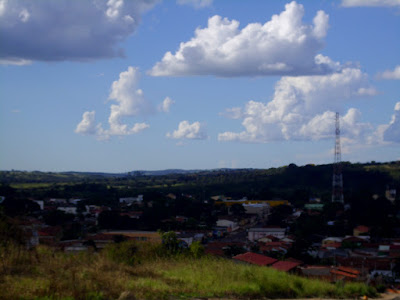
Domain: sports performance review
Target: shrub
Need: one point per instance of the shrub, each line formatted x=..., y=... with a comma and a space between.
x=124, y=252
x=196, y=249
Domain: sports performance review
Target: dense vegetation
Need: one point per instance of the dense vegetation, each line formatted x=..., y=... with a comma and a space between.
x=291, y=182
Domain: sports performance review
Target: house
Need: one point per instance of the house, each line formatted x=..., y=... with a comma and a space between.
x=320, y=272
x=286, y=266
x=74, y=201
x=219, y=248
x=360, y=230
x=68, y=209
x=171, y=196
x=255, y=259
x=149, y=236
x=278, y=247
x=262, y=210
x=255, y=234
x=40, y=203
x=58, y=201
x=228, y=224
x=331, y=241
x=131, y=200
x=274, y=203
x=189, y=237
x=314, y=206
x=100, y=240
x=390, y=194
x=49, y=235
x=344, y=273
x=132, y=214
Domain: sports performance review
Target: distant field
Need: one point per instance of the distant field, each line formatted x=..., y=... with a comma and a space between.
x=35, y=185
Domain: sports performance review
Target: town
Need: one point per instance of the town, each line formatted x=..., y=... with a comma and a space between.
x=334, y=241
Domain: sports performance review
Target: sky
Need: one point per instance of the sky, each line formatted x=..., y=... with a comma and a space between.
x=120, y=85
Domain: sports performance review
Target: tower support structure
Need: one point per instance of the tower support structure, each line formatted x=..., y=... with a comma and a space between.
x=337, y=180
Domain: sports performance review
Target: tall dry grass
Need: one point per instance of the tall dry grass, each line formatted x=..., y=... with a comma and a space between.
x=145, y=270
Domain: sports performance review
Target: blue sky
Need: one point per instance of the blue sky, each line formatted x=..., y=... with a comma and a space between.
x=116, y=86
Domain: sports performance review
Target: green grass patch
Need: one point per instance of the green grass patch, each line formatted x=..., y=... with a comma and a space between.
x=148, y=273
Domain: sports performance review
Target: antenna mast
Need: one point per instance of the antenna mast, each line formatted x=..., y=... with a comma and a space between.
x=337, y=181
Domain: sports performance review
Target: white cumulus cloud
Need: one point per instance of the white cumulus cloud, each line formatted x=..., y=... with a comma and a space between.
x=391, y=74
x=130, y=102
x=194, y=131
x=166, y=105
x=67, y=30
x=282, y=46
x=196, y=3
x=88, y=124
x=382, y=3
x=303, y=108
x=392, y=131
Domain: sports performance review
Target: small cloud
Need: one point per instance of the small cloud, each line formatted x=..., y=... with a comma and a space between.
x=130, y=102
x=194, y=131
x=392, y=131
x=15, y=62
x=196, y=3
x=232, y=113
x=390, y=74
x=87, y=126
x=370, y=3
x=369, y=91
x=15, y=111
x=166, y=105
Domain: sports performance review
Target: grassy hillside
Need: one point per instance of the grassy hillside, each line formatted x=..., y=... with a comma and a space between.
x=146, y=272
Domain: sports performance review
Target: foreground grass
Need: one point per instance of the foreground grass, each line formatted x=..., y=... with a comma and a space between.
x=45, y=274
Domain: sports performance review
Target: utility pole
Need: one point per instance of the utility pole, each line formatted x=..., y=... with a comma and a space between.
x=337, y=180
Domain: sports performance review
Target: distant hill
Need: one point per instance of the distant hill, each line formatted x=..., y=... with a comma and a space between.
x=291, y=182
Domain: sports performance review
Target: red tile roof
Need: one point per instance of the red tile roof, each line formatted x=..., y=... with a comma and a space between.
x=337, y=272
x=362, y=228
x=256, y=259
x=349, y=270
x=285, y=265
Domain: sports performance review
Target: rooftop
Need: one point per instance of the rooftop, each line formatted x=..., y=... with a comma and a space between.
x=256, y=259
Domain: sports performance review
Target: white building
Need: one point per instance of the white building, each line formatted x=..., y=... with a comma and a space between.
x=40, y=203
x=254, y=234
x=130, y=200
x=68, y=209
x=260, y=209
x=228, y=224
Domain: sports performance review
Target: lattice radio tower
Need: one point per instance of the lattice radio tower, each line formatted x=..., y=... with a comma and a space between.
x=337, y=181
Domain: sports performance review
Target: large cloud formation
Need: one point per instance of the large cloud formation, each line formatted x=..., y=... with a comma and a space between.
x=282, y=46
x=66, y=30
x=130, y=103
x=303, y=108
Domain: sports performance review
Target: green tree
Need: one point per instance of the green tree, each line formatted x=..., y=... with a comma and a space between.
x=170, y=242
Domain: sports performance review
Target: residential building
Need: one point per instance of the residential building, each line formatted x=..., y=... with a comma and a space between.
x=255, y=259
x=254, y=234
x=149, y=236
